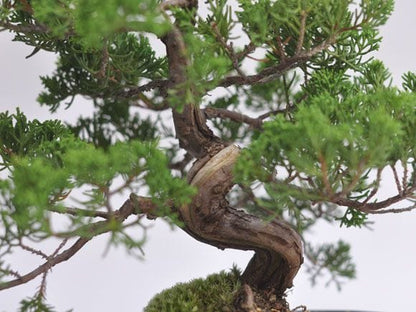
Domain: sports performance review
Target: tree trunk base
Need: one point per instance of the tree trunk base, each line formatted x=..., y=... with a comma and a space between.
x=251, y=300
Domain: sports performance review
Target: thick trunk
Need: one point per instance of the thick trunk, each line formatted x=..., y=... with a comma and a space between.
x=209, y=218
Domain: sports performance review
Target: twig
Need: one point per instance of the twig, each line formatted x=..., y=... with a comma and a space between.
x=47, y=265
x=29, y=29
x=32, y=250
x=211, y=112
x=180, y=165
x=375, y=189
x=301, y=32
x=394, y=210
x=370, y=207
x=81, y=212
x=11, y=272
x=104, y=61
x=229, y=49
x=396, y=179
x=128, y=93
x=97, y=228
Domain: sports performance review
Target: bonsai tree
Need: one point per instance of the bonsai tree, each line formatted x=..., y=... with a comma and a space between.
x=278, y=117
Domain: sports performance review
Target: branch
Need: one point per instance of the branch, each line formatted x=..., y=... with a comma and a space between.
x=81, y=212
x=394, y=210
x=271, y=73
x=256, y=123
x=190, y=126
x=134, y=205
x=47, y=265
x=26, y=29
x=160, y=84
x=211, y=112
x=371, y=207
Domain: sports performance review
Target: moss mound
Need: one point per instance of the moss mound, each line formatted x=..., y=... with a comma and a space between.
x=212, y=294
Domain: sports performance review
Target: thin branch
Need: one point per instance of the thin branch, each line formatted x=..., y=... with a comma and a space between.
x=26, y=29
x=32, y=250
x=129, y=93
x=97, y=228
x=375, y=189
x=394, y=210
x=271, y=73
x=229, y=49
x=396, y=179
x=301, y=32
x=285, y=110
x=370, y=207
x=405, y=176
x=81, y=212
x=67, y=254
x=10, y=272
x=180, y=165
x=211, y=112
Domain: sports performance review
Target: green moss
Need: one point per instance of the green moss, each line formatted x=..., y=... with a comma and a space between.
x=212, y=294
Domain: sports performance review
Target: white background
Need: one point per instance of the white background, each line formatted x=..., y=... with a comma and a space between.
x=385, y=257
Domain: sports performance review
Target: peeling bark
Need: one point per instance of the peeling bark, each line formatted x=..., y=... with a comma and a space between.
x=191, y=130
x=209, y=218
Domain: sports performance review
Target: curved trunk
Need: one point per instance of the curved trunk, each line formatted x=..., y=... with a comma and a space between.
x=209, y=218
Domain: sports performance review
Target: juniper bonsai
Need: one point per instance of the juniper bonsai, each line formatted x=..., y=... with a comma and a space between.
x=278, y=116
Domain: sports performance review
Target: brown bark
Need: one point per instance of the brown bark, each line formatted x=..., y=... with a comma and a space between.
x=209, y=218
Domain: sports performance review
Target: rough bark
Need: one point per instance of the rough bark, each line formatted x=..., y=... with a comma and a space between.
x=209, y=218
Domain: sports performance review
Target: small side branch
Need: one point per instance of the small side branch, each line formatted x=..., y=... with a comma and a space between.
x=134, y=205
x=256, y=123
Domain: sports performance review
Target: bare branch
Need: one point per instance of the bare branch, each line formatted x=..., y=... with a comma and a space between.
x=32, y=250
x=301, y=32
x=67, y=254
x=81, y=212
x=129, y=93
x=394, y=210
x=26, y=29
x=211, y=112
x=180, y=165
x=396, y=179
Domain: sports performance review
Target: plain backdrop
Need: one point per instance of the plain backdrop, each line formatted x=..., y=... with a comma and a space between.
x=385, y=257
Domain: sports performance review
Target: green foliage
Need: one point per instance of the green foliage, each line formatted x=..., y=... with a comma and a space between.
x=335, y=136
x=20, y=137
x=409, y=82
x=334, y=258
x=58, y=164
x=353, y=217
x=35, y=304
x=94, y=20
x=103, y=73
x=88, y=23
x=212, y=294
